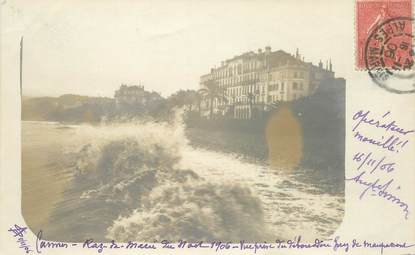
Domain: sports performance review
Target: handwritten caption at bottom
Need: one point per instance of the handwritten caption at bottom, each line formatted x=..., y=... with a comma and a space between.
x=335, y=244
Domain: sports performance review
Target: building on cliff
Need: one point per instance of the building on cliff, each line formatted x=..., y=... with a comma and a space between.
x=134, y=96
x=246, y=85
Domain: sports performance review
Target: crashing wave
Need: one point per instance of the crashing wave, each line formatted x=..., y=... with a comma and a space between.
x=134, y=173
x=194, y=211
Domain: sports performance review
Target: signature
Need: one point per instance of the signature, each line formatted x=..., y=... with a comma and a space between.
x=380, y=190
x=18, y=232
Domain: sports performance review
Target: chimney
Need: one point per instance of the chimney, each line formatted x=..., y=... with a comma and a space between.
x=320, y=64
x=268, y=50
x=330, y=66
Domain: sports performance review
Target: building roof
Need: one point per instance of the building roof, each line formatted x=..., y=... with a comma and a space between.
x=132, y=87
x=274, y=59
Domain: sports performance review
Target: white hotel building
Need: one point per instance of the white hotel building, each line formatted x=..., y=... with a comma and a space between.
x=254, y=81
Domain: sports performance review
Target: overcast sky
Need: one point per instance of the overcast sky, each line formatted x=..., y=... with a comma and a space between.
x=91, y=47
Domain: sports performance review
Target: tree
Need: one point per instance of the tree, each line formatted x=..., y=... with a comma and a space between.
x=250, y=99
x=211, y=91
x=193, y=98
x=185, y=98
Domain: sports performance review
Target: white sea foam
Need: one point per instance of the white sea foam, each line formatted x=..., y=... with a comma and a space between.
x=153, y=185
x=139, y=165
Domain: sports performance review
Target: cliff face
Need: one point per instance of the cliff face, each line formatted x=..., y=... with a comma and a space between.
x=66, y=108
x=85, y=109
x=317, y=137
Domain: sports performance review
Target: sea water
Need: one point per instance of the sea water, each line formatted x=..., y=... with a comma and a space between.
x=144, y=182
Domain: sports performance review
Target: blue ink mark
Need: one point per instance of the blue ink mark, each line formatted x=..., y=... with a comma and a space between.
x=382, y=245
x=220, y=245
x=370, y=161
x=41, y=244
x=338, y=244
x=19, y=232
x=90, y=244
x=389, y=144
x=185, y=244
x=114, y=245
x=362, y=117
x=255, y=246
x=280, y=244
x=145, y=246
x=297, y=244
x=380, y=190
x=356, y=244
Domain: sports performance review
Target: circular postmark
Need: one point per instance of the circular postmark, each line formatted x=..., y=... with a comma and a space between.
x=389, y=55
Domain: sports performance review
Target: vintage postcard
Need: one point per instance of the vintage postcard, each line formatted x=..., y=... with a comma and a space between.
x=207, y=127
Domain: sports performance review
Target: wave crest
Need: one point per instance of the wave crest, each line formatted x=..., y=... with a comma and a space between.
x=194, y=212
x=134, y=175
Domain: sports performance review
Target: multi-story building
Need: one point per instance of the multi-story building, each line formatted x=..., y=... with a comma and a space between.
x=252, y=82
x=134, y=95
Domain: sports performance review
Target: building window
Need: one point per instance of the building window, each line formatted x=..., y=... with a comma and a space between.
x=295, y=85
x=282, y=85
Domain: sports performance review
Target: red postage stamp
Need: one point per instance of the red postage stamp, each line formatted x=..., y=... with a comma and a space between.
x=371, y=16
